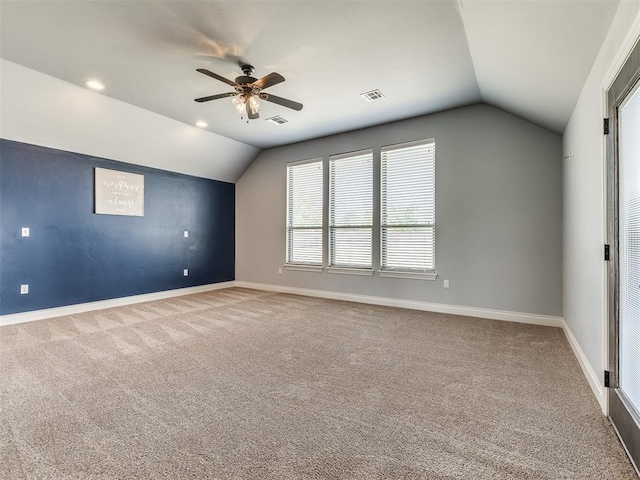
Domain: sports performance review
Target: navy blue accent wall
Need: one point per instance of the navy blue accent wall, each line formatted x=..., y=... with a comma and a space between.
x=75, y=256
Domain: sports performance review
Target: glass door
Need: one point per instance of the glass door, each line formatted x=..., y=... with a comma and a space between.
x=624, y=228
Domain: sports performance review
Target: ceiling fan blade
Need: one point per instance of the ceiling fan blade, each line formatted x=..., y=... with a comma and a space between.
x=282, y=101
x=216, y=76
x=216, y=97
x=269, y=80
x=250, y=114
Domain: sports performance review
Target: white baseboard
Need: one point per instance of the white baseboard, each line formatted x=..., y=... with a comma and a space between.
x=592, y=377
x=102, y=304
x=534, y=319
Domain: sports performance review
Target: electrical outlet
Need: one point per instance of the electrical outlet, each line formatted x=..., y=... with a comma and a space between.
x=446, y=284
x=185, y=272
x=279, y=269
x=25, y=231
x=24, y=289
x=186, y=233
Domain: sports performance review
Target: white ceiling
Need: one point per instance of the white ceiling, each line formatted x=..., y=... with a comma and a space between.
x=528, y=57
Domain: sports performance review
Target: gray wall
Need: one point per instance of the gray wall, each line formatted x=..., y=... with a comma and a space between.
x=498, y=213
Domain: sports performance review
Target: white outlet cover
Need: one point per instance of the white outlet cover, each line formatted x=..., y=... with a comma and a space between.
x=446, y=284
x=185, y=272
x=25, y=231
x=24, y=289
x=186, y=233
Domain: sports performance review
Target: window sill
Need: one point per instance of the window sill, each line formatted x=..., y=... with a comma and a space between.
x=351, y=271
x=411, y=275
x=303, y=268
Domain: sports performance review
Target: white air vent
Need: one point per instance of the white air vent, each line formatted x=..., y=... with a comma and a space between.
x=372, y=95
x=277, y=120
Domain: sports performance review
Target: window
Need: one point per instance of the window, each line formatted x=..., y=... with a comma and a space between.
x=407, y=212
x=407, y=198
x=304, y=213
x=351, y=210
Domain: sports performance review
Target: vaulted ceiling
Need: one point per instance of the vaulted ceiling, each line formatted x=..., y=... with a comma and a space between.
x=527, y=57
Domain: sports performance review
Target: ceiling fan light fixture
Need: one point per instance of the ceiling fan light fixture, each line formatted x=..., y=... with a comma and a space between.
x=242, y=101
x=239, y=102
x=254, y=104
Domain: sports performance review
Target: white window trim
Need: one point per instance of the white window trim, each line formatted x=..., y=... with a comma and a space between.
x=303, y=267
x=302, y=162
x=410, y=144
x=351, y=271
x=408, y=274
x=355, y=153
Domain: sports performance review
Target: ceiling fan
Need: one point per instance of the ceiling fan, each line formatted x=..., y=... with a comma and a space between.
x=249, y=91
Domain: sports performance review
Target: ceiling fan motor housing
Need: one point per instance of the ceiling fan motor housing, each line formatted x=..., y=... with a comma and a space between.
x=246, y=78
x=242, y=79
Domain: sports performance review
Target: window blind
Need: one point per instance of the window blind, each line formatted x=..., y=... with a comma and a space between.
x=629, y=248
x=351, y=209
x=407, y=203
x=304, y=213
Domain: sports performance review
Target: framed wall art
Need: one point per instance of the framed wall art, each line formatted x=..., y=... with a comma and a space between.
x=119, y=193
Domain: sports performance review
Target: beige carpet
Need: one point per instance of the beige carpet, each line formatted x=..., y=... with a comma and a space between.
x=241, y=384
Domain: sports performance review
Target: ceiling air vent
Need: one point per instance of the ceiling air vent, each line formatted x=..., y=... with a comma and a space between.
x=372, y=95
x=278, y=120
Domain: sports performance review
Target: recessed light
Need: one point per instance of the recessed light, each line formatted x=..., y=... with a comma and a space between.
x=201, y=124
x=278, y=120
x=94, y=85
x=372, y=95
